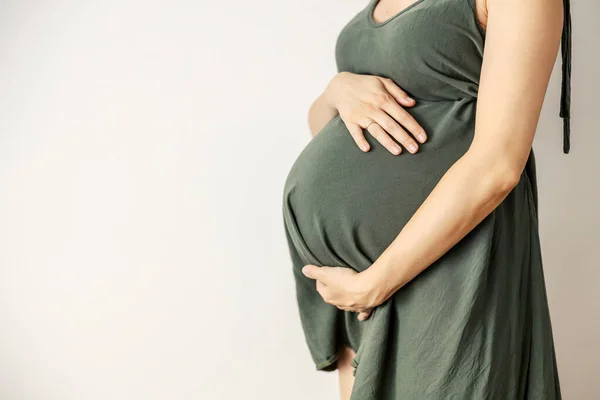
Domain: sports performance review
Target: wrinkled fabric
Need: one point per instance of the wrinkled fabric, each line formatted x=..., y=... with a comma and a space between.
x=475, y=324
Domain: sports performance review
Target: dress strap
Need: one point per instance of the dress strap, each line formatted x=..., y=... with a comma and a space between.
x=565, y=94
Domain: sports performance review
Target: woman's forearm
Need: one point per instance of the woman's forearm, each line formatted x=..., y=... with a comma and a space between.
x=468, y=192
x=321, y=111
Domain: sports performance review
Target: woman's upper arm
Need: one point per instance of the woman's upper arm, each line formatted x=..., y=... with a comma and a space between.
x=522, y=42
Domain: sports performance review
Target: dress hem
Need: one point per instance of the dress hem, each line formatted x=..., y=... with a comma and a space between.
x=330, y=364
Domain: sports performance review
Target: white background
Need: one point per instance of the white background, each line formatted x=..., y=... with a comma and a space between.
x=143, y=150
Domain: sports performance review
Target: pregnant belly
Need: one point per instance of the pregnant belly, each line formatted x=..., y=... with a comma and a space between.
x=343, y=207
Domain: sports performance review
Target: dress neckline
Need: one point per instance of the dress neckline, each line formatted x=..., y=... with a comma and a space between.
x=376, y=24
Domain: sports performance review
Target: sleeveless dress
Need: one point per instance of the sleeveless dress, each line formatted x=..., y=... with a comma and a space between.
x=473, y=325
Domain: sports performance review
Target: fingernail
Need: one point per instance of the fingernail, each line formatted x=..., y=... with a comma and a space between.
x=395, y=149
x=409, y=98
x=364, y=147
x=412, y=147
x=421, y=137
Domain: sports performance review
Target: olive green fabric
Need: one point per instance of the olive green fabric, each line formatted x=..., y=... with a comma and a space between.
x=473, y=325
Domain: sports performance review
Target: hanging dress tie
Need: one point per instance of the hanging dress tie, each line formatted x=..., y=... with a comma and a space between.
x=565, y=94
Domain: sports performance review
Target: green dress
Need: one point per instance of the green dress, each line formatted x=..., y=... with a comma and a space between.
x=473, y=325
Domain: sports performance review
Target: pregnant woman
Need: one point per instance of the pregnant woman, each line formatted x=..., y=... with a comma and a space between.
x=411, y=215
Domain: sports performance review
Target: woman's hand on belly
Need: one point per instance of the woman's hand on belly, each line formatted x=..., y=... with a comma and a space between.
x=344, y=288
x=373, y=103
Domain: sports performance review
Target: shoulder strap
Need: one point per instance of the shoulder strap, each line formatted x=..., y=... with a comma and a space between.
x=565, y=93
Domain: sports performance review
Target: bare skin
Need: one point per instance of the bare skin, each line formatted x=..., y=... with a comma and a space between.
x=345, y=372
x=362, y=99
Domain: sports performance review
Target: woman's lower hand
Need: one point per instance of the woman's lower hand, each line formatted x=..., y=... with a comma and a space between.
x=345, y=288
x=374, y=103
